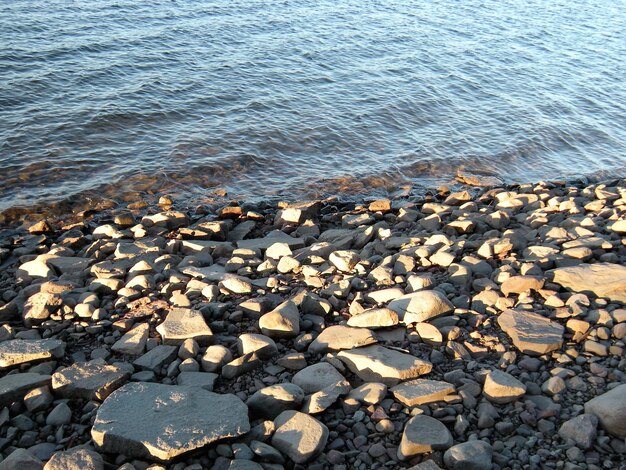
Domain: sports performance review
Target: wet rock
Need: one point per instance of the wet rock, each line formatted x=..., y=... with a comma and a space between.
x=379, y=364
x=184, y=323
x=610, y=409
x=501, y=387
x=299, y=436
x=155, y=421
x=421, y=306
x=472, y=455
x=531, y=333
x=89, y=381
x=421, y=391
x=423, y=434
x=338, y=337
x=21, y=351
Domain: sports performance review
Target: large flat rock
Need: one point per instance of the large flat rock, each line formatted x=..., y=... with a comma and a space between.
x=530, y=332
x=182, y=324
x=21, y=351
x=90, y=381
x=338, y=337
x=15, y=386
x=155, y=421
x=421, y=306
x=379, y=364
x=602, y=279
x=421, y=391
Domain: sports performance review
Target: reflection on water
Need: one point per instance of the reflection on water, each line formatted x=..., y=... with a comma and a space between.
x=303, y=99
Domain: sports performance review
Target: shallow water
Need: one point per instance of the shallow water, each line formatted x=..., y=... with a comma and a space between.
x=304, y=99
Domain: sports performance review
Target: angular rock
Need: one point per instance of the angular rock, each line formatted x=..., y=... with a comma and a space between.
x=371, y=393
x=520, y=284
x=321, y=400
x=581, y=429
x=156, y=358
x=184, y=323
x=317, y=377
x=21, y=459
x=423, y=434
x=271, y=401
x=205, y=380
x=471, y=455
x=421, y=306
x=338, y=337
x=133, y=342
x=215, y=357
x=374, y=318
x=379, y=364
x=155, y=421
x=282, y=322
x=69, y=265
x=89, y=381
x=602, y=279
x=610, y=409
x=241, y=365
x=21, y=351
x=531, y=333
x=344, y=260
x=14, y=386
x=501, y=387
x=40, y=306
x=264, y=346
x=421, y=391
x=75, y=459
x=299, y=436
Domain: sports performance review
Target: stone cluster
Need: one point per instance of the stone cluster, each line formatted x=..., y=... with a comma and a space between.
x=477, y=329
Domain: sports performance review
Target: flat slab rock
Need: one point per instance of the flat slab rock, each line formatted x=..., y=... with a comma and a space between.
x=602, y=279
x=15, y=386
x=88, y=381
x=379, y=364
x=530, y=332
x=317, y=377
x=338, y=337
x=184, y=323
x=421, y=391
x=21, y=351
x=155, y=421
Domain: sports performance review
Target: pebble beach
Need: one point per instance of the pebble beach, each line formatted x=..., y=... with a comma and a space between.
x=472, y=328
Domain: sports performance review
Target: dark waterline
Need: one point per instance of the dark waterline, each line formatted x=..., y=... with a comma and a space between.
x=304, y=99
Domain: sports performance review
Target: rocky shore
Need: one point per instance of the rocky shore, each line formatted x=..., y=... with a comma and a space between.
x=476, y=329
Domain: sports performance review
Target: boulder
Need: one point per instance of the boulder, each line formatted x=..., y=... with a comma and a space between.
x=184, y=323
x=502, y=388
x=299, y=436
x=581, y=429
x=14, y=386
x=423, y=434
x=282, y=322
x=602, y=279
x=133, y=343
x=471, y=455
x=421, y=306
x=610, y=409
x=374, y=318
x=317, y=377
x=75, y=459
x=271, y=401
x=161, y=422
x=338, y=337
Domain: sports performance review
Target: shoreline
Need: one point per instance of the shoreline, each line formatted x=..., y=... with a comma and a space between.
x=483, y=326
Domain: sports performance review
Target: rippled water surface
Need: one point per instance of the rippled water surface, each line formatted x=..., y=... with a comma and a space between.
x=302, y=99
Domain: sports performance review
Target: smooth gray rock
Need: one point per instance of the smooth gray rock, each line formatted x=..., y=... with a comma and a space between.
x=14, y=386
x=75, y=459
x=156, y=358
x=602, y=279
x=581, y=429
x=184, y=323
x=610, y=409
x=421, y=391
x=205, y=380
x=21, y=459
x=89, y=381
x=60, y=414
x=531, y=333
x=379, y=364
x=423, y=434
x=299, y=436
x=421, y=306
x=271, y=401
x=21, y=351
x=471, y=455
x=156, y=421
x=338, y=337
x=502, y=388
x=314, y=378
